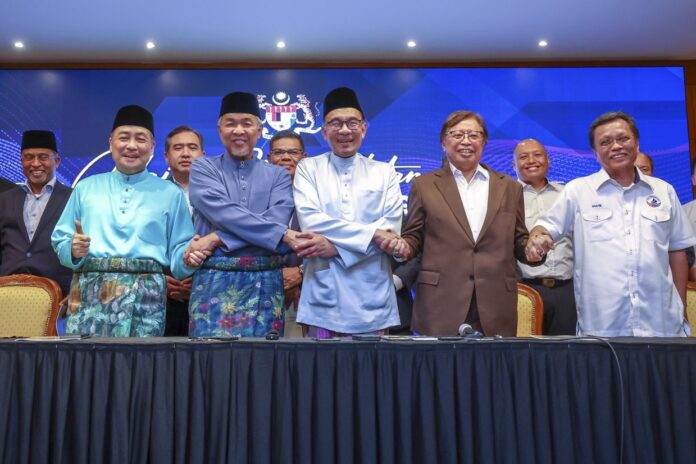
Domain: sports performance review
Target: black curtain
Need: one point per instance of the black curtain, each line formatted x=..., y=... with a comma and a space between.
x=502, y=401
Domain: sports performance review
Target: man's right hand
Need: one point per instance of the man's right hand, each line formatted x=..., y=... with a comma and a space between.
x=201, y=248
x=539, y=243
x=80, y=242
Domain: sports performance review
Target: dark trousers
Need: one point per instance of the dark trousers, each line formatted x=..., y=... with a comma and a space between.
x=176, y=324
x=560, y=315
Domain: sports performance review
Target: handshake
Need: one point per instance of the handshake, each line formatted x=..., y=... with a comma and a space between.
x=390, y=243
x=538, y=245
x=305, y=244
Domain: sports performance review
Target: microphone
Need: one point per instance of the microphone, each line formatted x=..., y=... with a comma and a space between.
x=466, y=331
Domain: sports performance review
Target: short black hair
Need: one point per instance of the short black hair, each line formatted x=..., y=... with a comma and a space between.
x=180, y=130
x=613, y=116
x=286, y=134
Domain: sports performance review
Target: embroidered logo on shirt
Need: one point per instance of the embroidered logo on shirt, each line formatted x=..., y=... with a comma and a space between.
x=653, y=201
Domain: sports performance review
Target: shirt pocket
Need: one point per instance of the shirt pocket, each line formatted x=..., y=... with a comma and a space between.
x=596, y=224
x=369, y=204
x=655, y=224
x=153, y=232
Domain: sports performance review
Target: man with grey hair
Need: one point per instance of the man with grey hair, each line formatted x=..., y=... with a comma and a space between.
x=629, y=236
x=554, y=278
x=242, y=209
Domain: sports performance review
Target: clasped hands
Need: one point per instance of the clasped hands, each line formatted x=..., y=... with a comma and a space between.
x=201, y=248
x=392, y=244
x=309, y=244
x=539, y=243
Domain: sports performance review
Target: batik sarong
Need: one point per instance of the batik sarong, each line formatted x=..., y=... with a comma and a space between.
x=240, y=296
x=117, y=297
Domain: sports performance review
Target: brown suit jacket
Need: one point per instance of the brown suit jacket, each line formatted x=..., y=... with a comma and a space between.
x=453, y=265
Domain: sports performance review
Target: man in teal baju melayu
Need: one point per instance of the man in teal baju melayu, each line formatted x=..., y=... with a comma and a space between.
x=119, y=232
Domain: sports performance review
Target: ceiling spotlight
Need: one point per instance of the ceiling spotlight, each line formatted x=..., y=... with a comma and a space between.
x=19, y=44
x=150, y=45
x=411, y=43
x=280, y=44
x=543, y=43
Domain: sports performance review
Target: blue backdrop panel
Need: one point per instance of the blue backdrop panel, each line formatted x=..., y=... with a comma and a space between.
x=405, y=109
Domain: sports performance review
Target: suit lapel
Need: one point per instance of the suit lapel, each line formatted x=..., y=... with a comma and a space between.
x=447, y=186
x=496, y=192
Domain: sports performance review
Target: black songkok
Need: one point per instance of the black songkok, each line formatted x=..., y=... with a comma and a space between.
x=134, y=115
x=342, y=97
x=240, y=102
x=39, y=139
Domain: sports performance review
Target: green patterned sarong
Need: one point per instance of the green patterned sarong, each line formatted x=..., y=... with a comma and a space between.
x=117, y=297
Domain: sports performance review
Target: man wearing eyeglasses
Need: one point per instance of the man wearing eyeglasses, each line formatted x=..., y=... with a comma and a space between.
x=351, y=204
x=29, y=214
x=629, y=237
x=287, y=150
x=468, y=222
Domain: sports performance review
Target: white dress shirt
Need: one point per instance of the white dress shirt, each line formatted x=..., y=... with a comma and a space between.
x=474, y=195
x=622, y=236
x=559, y=260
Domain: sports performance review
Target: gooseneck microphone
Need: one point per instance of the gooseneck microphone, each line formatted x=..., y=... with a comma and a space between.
x=466, y=331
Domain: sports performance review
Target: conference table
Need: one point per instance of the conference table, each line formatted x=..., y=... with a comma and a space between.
x=510, y=400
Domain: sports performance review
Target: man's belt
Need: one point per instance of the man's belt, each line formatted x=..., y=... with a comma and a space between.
x=547, y=282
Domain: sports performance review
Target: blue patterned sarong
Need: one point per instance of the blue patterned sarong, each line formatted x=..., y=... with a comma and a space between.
x=117, y=297
x=237, y=296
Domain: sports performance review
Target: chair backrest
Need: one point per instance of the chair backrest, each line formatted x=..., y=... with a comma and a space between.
x=28, y=305
x=530, y=311
x=691, y=306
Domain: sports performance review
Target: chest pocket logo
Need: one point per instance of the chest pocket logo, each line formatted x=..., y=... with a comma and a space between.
x=596, y=224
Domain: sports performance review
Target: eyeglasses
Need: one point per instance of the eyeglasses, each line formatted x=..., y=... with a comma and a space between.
x=336, y=125
x=281, y=152
x=474, y=136
x=608, y=142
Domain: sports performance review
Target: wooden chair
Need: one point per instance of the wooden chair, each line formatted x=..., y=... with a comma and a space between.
x=691, y=306
x=530, y=311
x=28, y=306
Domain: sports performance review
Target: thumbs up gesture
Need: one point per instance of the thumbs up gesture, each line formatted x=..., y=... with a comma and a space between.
x=80, y=242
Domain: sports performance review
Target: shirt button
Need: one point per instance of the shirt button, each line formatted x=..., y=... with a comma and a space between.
x=243, y=187
x=29, y=255
x=243, y=198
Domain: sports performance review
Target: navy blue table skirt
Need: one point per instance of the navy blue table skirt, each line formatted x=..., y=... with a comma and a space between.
x=495, y=401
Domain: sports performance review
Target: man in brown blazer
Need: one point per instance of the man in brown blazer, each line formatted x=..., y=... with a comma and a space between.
x=468, y=222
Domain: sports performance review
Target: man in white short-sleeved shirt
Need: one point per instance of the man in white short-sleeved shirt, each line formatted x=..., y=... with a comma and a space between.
x=629, y=236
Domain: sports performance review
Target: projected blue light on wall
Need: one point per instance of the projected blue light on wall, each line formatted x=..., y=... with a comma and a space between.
x=404, y=107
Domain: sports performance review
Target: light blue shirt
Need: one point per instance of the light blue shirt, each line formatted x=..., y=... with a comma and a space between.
x=247, y=202
x=127, y=216
x=34, y=205
x=346, y=201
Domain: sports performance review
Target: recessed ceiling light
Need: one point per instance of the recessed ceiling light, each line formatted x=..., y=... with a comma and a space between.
x=543, y=43
x=19, y=44
x=280, y=44
x=411, y=43
x=150, y=45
